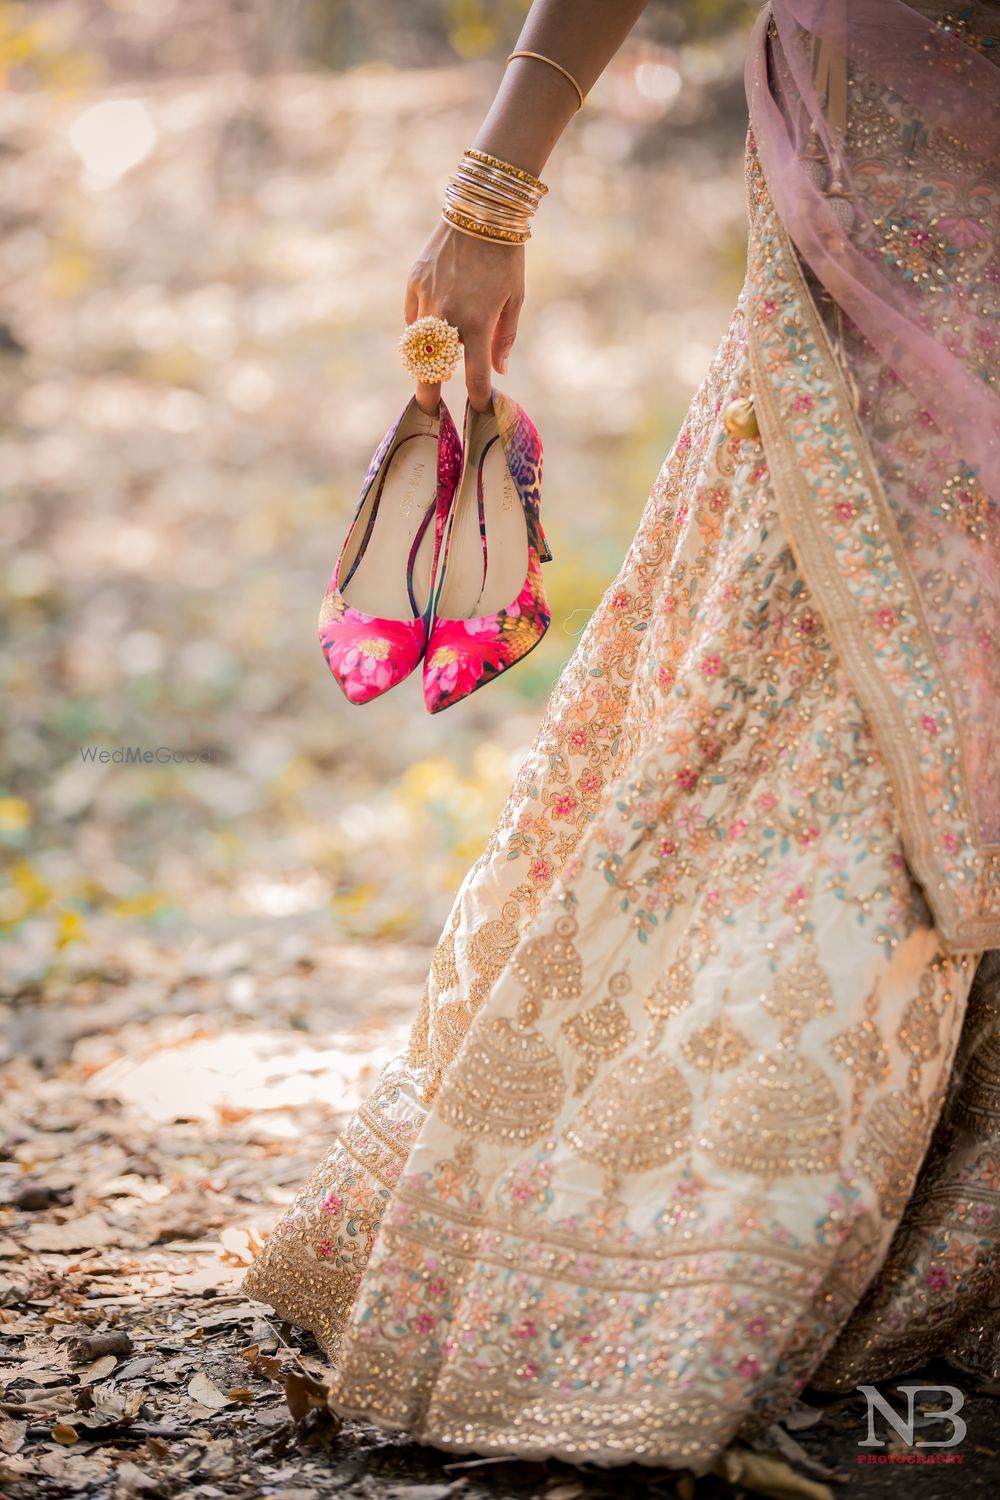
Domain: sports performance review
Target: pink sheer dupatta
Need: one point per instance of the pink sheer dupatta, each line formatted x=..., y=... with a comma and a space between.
x=876, y=126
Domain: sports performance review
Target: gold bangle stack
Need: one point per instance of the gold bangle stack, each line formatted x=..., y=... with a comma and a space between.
x=491, y=199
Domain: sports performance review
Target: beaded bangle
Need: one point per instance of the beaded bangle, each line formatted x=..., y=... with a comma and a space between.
x=477, y=228
x=505, y=166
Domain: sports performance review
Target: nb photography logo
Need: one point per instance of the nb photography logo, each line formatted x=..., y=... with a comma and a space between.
x=928, y=1416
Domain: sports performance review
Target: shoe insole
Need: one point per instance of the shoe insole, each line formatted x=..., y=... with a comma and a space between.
x=377, y=586
x=465, y=593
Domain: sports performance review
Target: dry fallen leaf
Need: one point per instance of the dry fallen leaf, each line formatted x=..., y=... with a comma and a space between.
x=802, y=1415
x=766, y=1475
x=65, y=1434
x=75, y=1471
x=776, y=1438
x=303, y=1394
x=239, y=1246
x=202, y=1387
x=130, y=1480
x=565, y=1490
x=87, y=1232
x=98, y=1370
x=12, y=1434
x=262, y=1364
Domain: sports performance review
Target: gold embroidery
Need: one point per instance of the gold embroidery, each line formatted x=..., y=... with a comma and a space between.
x=638, y=1117
x=600, y=1032
x=978, y=1105
x=715, y=1047
x=451, y=1022
x=781, y=1115
x=489, y=950
x=418, y=1049
x=510, y=1086
x=920, y=1029
x=550, y=966
x=891, y=1148
x=801, y=992
x=861, y=1050
x=668, y=997
x=444, y=973
x=397, y=1143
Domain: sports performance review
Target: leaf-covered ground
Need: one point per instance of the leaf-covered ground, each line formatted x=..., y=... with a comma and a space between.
x=163, y=1097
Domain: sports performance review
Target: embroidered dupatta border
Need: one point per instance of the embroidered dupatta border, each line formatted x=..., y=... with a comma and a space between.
x=791, y=358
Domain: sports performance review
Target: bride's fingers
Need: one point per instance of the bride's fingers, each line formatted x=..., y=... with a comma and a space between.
x=505, y=333
x=478, y=380
x=428, y=397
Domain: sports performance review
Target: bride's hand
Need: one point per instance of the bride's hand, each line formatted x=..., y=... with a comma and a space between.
x=478, y=286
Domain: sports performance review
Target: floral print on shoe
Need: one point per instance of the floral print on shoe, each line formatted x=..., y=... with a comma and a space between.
x=462, y=655
x=368, y=655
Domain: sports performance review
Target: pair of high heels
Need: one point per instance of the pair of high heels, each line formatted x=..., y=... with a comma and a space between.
x=441, y=563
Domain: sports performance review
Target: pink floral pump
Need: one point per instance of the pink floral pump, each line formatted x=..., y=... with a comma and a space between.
x=374, y=618
x=490, y=606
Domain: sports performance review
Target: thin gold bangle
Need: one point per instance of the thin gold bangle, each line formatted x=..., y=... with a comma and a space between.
x=490, y=189
x=558, y=67
x=514, y=192
x=458, y=203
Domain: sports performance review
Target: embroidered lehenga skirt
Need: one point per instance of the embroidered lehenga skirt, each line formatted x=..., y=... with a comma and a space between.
x=700, y=1103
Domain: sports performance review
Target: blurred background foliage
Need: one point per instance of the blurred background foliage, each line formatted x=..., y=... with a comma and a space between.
x=208, y=211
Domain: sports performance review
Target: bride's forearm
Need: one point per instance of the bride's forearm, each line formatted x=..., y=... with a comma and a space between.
x=534, y=102
x=477, y=283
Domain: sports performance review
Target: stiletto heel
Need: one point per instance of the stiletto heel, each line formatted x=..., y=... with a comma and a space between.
x=374, y=619
x=489, y=607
